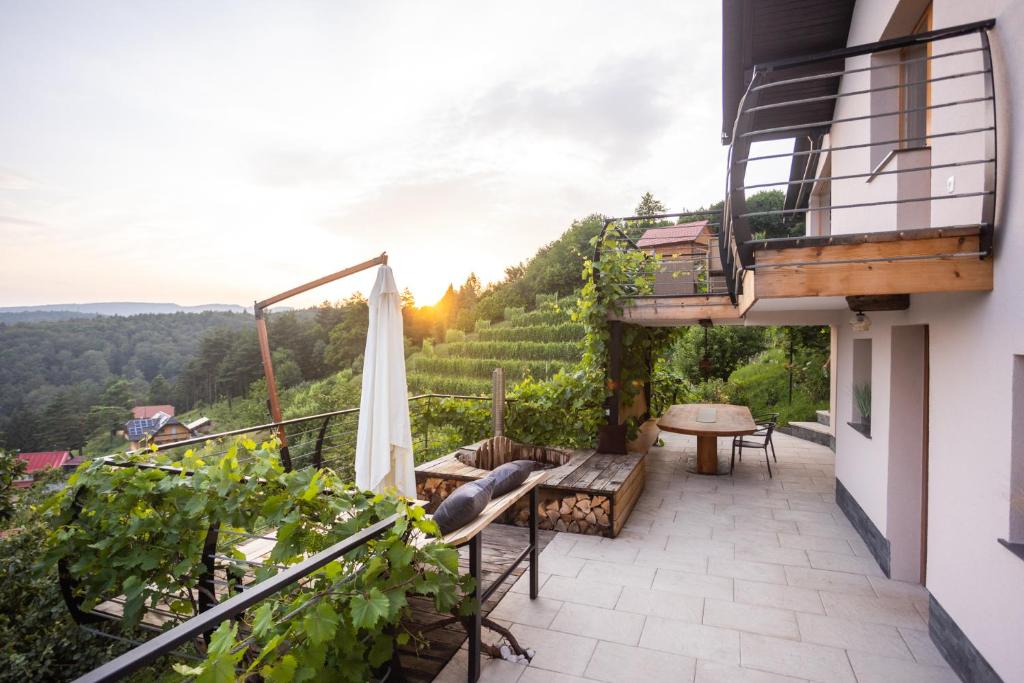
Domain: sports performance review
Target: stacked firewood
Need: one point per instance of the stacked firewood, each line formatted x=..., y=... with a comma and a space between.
x=436, y=489
x=579, y=513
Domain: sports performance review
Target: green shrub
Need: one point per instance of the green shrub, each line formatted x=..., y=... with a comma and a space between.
x=522, y=350
x=763, y=386
x=422, y=383
x=453, y=335
x=481, y=368
x=538, y=333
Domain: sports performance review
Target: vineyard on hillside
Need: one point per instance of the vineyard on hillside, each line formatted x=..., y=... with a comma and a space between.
x=535, y=343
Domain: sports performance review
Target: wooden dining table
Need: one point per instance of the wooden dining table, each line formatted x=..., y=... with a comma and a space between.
x=708, y=421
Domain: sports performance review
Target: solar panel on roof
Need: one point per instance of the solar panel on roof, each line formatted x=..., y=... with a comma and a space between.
x=138, y=428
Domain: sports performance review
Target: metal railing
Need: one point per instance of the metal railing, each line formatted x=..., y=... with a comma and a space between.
x=691, y=267
x=871, y=124
x=322, y=440
x=205, y=622
x=329, y=439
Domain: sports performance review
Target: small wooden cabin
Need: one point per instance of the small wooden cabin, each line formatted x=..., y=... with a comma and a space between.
x=690, y=262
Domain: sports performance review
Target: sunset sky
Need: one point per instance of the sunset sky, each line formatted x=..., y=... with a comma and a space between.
x=221, y=152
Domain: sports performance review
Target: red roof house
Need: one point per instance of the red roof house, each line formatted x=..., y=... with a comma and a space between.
x=674, y=235
x=41, y=461
x=146, y=412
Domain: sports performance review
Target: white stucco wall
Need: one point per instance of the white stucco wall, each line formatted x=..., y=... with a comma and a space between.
x=972, y=338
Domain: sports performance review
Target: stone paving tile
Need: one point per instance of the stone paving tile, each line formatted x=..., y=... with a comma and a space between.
x=692, y=640
x=758, y=553
x=617, y=664
x=829, y=545
x=783, y=597
x=597, y=622
x=717, y=672
x=523, y=584
x=769, y=621
x=747, y=538
x=750, y=571
x=891, y=611
x=722, y=579
x=825, y=580
x=532, y=675
x=520, y=609
x=876, y=639
x=562, y=565
x=692, y=562
x=556, y=651
x=620, y=574
x=844, y=563
x=711, y=548
x=623, y=552
x=661, y=603
x=697, y=585
x=791, y=658
x=922, y=647
x=491, y=670
x=874, y=669
x=580, y=591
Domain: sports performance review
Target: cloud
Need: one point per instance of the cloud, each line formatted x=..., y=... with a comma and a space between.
x=619, y=111
x=407, y=207
x=11, y=181
x=289, y=168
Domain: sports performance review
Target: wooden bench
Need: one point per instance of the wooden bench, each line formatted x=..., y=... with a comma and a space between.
x=592, y=493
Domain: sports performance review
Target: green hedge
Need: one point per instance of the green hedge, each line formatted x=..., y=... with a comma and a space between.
x=481, y=368
x=545, y=316
x=538, y=333
x=425, y=383
x=521, y=350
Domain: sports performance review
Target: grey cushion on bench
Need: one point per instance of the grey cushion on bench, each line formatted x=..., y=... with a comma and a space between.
x=510, y=476
x=464, y=504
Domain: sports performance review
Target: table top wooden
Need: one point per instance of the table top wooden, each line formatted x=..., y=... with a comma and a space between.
x=708, y=419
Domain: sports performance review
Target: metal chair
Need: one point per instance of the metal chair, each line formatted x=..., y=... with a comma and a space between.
x=761, y=439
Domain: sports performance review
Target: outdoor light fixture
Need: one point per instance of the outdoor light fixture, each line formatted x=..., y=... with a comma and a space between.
x=861, y=323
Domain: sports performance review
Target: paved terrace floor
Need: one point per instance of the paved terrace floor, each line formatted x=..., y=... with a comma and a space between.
x=720, y=579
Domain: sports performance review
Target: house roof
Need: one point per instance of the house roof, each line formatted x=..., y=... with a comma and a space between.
x=196, y=424
x=41, y=461
x=673, y=234
x=139, y=428
x=142, y=412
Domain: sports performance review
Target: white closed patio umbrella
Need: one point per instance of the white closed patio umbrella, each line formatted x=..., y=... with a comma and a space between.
x=384, y=440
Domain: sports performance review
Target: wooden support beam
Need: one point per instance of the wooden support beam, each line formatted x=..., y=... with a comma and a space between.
x=675, y=311
x=883, y=302
x=946, y=264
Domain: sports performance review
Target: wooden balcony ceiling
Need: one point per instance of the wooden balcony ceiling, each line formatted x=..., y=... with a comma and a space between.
x=902, y=262
x=678, y=310
x=760, y=31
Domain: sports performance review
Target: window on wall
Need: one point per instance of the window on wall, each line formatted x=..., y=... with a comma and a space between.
x=860, y=416
x=915, y=93
x=1017, y=453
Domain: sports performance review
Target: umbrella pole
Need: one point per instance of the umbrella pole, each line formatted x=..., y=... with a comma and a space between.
x=259, y=309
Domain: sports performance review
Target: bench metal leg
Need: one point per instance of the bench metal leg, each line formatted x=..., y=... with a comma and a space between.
x=534, y=577
x=476, y=620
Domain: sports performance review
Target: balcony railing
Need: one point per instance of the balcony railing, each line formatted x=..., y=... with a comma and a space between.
x=889, y=138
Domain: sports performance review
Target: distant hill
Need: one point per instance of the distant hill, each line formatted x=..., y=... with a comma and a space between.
x=70, y=311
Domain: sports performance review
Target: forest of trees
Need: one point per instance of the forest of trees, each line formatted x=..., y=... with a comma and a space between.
x=63, y=381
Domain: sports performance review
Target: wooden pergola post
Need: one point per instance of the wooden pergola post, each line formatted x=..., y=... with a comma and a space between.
x=259, y=310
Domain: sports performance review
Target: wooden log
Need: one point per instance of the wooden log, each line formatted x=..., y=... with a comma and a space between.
x=591, y=518
x=584, y=505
